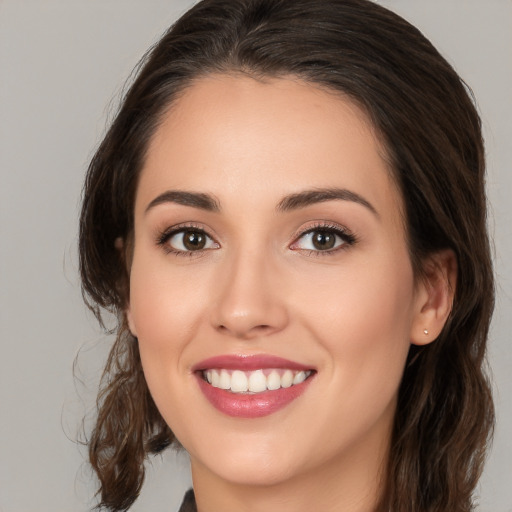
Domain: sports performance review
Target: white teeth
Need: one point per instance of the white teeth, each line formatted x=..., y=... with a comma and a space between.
x=273, y=380
x=257, y=381
x=287, y=379
x=225, y=380
x=299, y=377
x=239, y=382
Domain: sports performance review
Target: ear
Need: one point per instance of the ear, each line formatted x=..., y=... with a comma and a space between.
x=119, y=243
x=130, y=322
x=434, y=297
x=121, y=247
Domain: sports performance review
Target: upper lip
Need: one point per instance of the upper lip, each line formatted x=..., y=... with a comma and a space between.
x=248, y=363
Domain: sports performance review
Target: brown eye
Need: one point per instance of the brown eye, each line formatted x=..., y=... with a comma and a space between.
x=194, y=240
x=190, y=240
x=323, y=240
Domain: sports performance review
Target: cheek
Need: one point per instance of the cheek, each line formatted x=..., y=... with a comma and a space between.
x=165, y=317
x=370, y=310
x=363, y=321
x=163, y=306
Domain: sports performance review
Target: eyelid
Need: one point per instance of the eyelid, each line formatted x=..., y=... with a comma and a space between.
x=342, y=232
x=164, y=236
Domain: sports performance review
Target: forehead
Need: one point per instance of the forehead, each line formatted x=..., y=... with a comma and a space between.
x=231, y=135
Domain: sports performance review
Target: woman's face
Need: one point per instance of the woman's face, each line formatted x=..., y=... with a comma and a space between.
x=270, y=258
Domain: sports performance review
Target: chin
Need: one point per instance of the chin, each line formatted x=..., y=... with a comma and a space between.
x=255, y=472
x=249, y=463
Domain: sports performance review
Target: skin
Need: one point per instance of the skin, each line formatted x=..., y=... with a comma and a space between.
x=259, y=287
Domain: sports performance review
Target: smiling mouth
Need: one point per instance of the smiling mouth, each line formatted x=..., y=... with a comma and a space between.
x=254, y=382
x=252, y=386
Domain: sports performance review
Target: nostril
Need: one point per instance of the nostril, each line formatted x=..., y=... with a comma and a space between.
x=245, y=332
x=262, y=327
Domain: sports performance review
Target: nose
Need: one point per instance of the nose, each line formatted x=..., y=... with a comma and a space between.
x=250, y=302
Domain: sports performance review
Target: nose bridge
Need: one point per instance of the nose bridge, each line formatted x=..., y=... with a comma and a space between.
x=249, y=302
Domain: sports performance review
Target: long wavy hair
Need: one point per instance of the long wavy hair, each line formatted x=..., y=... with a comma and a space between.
x=425, y=115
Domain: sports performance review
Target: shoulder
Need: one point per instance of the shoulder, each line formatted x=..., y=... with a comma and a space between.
x=189, y=502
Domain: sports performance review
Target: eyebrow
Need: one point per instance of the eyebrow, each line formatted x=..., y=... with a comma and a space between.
x=291, y=202
x=310, y=197
x=193, y=199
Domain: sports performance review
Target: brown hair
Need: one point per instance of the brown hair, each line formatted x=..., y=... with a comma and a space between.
x=427, y=120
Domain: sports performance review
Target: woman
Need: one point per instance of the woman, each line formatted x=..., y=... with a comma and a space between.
x=288, y=218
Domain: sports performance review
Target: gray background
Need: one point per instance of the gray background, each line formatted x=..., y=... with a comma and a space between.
x=62, y=67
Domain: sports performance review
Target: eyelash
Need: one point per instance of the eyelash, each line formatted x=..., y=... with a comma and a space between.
x=345, y=235
x=164, y=237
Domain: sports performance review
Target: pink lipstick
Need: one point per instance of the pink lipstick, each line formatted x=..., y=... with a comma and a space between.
x=251, y=386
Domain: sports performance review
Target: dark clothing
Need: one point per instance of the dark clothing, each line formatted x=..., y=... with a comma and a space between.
x=189, y=502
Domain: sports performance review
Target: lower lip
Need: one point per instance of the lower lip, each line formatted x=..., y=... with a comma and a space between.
x=251, y=405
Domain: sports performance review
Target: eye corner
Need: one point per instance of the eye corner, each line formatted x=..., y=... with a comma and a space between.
x=330, y=238
x=173, y=240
